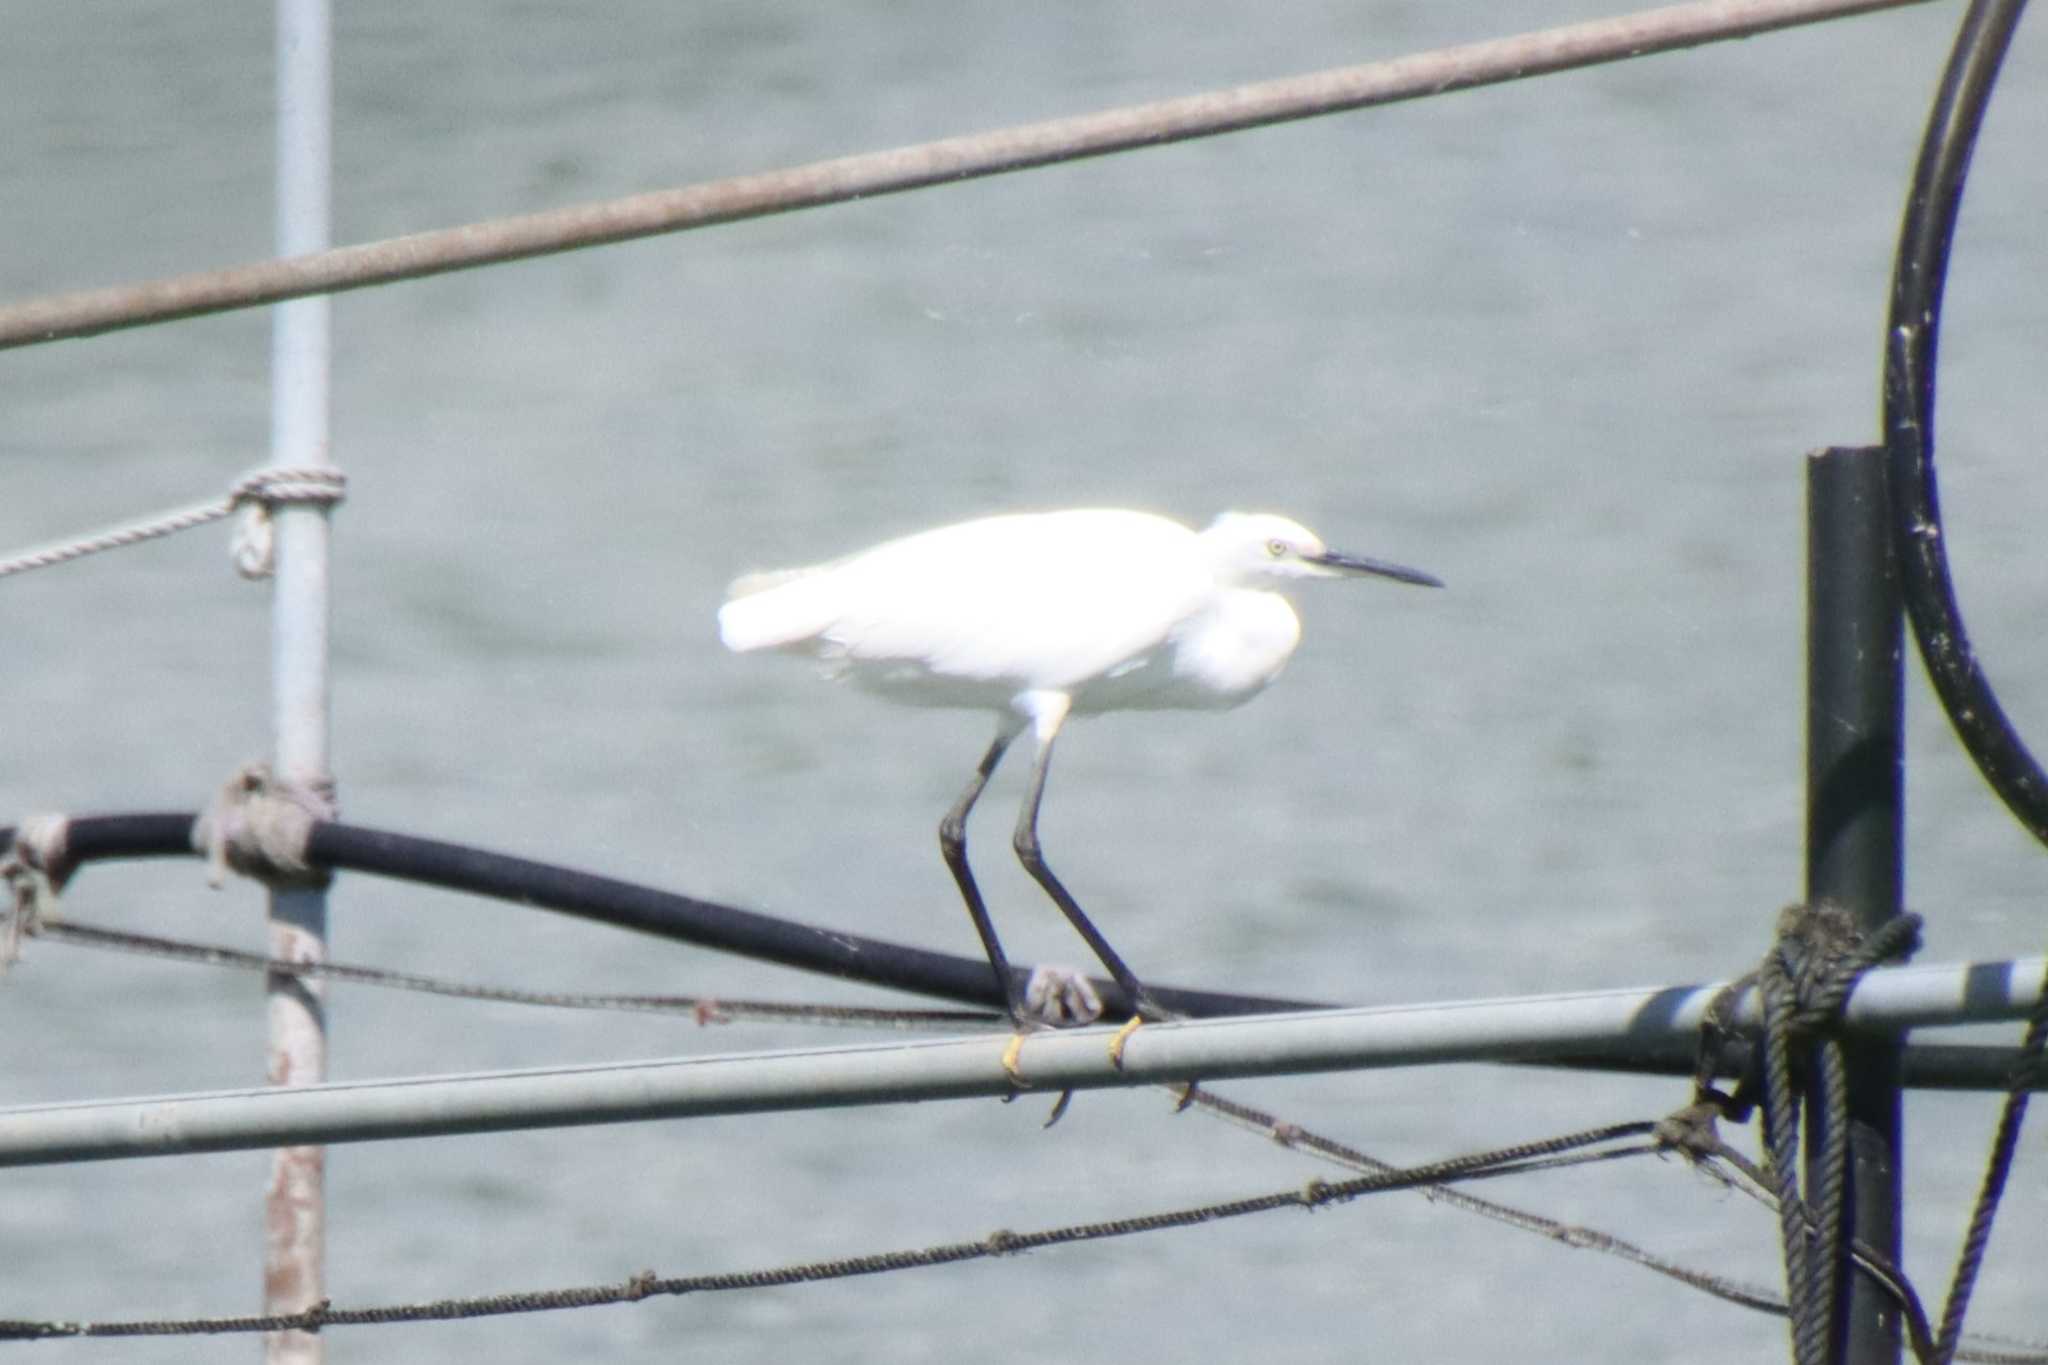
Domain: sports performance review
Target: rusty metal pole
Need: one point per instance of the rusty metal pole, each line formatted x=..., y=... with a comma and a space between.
x=1855, y=776
x=294, y=1209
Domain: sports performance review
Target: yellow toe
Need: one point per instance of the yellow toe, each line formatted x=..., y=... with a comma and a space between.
x=1011, y=1056
x=1123, y=1035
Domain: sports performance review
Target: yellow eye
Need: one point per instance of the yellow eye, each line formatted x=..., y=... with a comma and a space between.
x=1276, y=548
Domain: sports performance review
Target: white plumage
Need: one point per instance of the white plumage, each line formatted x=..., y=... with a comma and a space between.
x=1036, y=616
x=1116, y=609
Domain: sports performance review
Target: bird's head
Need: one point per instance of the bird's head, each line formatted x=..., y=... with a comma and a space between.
x=1260, y=548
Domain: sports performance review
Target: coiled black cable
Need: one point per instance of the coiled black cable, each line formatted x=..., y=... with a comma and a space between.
x=1911, y=342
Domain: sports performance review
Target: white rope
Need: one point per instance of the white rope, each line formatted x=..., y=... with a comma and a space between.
x=260, y=494
x=255, y=496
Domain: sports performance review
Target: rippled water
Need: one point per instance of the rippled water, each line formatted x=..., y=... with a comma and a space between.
x=1564, y=343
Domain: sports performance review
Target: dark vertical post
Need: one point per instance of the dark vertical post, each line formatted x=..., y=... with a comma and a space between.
x=1854, y=705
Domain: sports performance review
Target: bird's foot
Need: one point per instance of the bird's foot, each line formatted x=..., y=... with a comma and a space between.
x=1054, y=997
x=1123, y=1035
x=1012, y=1054
x=1147, y=1010
x=1060, y=997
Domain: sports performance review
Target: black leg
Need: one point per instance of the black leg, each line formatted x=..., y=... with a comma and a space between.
x=1033, y=858
x=953, y=844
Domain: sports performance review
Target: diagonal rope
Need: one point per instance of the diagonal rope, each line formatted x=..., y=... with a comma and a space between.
x=1572, y=1235
x=117, y=538
x=1593, y=1145
x=2026, y=1074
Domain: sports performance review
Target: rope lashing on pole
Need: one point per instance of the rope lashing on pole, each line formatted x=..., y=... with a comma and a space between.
x=262, y=827
x=1804, y=981
x=254, y=496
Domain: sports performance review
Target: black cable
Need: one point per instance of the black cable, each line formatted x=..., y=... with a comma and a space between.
x=96, y=838
x=625, y=905
x=1911, y=338
x=147, y=834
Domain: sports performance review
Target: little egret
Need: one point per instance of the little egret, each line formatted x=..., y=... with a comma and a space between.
x=1042, y=616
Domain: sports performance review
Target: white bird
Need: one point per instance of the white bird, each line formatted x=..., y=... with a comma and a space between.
x=1042, y=616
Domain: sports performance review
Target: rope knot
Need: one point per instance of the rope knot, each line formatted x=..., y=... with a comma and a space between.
x=1820, y=955
x=1805, y=979
x=42, y=844
x=260, y=494
x=34, y=871
x=1693, y=1131
x=260, y=827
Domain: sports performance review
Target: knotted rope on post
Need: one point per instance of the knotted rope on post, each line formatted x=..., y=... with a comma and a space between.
x=259, y=495
x=34, y=871
x=1804, y=981
x=260, y=826
x=255, y=496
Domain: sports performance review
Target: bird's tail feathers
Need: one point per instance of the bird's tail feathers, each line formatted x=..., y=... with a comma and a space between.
x=773, y=609
x=748, y=584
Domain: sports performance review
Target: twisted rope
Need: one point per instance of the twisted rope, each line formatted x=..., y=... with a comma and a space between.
x=254, y=495
x=1591, y=1146
x=2027, y=1072
x=704, y=1009
x=1805, y=979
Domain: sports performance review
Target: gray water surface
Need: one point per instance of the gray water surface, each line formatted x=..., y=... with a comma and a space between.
x=1564, y=343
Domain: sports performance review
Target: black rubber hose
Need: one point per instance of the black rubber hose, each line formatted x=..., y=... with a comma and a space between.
x=625, y=905
x=708, y=924
x=1911, y=345
x=148, y=834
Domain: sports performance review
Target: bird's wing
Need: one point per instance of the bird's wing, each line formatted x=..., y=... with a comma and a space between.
x=1043, y=601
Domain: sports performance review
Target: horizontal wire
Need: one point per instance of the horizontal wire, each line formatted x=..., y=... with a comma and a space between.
x=867, y=175
x=705, y=1009
x=1571, y=1149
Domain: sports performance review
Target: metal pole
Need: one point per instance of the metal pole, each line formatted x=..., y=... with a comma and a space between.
x=897, y=1072
x=843, y=179
x=1854, y=774
x=294, y=1211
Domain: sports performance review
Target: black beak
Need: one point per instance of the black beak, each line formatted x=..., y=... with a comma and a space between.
x=1330, y=559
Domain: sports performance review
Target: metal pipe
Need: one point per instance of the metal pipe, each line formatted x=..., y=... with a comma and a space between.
x=875, y=173
x=727, y=928
x=1855, y=708
x=814, y=1078
x=294, y=1207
